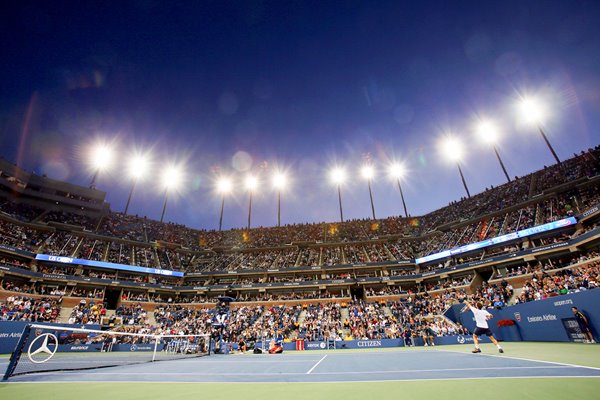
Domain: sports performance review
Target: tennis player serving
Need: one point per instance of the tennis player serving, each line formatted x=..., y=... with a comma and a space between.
x=481, y=321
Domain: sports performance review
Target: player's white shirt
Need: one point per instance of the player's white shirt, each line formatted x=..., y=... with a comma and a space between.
x=480, y=317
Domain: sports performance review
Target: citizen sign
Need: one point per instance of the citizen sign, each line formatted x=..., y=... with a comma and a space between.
x=370, y=343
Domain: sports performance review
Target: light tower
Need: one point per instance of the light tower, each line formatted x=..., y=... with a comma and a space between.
x=368, y=172
x=453, y=151
x=338, y=177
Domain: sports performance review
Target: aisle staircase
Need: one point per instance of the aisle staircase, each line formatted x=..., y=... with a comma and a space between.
x=388, y=311
x=65, y=313
x=344, y=314
x=301, y=317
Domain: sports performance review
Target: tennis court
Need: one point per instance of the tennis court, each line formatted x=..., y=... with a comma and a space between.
x=368, y=371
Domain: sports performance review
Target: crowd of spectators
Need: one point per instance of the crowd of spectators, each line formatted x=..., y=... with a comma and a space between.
x=21, y=211
x=24, y=308
x=178, y=319
x=132, y=314
x=140, y=241
x=87, y=312
x=321, y=321
x=357, y=241
x=564, y=281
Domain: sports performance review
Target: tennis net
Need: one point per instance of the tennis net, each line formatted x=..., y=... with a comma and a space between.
x=45, y=348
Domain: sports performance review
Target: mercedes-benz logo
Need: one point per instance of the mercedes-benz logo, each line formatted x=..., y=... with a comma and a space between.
x=49, y=345
x=460, y=339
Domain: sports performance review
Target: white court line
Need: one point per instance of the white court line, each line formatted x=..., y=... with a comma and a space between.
x=304, y=382
x=521, y=359
x=238, y=361
x=315, y=366
x=404, y=371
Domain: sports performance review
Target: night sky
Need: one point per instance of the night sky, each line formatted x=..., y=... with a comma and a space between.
x=235, y=87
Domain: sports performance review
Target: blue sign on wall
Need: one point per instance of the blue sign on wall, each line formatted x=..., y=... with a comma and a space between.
x=540, y=320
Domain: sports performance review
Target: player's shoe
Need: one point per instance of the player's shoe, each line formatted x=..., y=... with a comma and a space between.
x=501, y=350
x=476, y=351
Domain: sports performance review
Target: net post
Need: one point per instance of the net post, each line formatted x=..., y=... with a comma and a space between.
x=16, y=354
x=155, y=347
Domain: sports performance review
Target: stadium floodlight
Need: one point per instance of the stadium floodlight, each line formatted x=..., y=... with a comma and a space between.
x=171, y=179
x=487, y=132
x=251, y=184
x=224, y=187
x=533, y=111
x=101, y=158
x=338, y=176
x=279, y=183
x=368, y=172
x=453, y=150
x=397, y=171
x=137, y=168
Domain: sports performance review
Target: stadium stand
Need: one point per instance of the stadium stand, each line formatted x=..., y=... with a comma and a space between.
x=357, y=279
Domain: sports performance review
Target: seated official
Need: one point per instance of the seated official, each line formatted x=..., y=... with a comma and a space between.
x=275, y=347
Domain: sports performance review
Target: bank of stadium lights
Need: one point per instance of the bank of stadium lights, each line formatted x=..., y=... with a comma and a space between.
x=171, y=179
x=223, y=187
x=533, y=111
x=251, y=183
x=279, y=183
x=397, y=171
x=452, y=149
x=101, y=158
x=368, y=172
x=338, y=177
x=487, y=132
x=137, y=169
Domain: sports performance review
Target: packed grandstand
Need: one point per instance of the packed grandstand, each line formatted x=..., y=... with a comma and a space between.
x=66, y=257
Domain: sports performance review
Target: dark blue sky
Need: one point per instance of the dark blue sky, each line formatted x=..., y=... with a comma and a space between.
x=301, y=84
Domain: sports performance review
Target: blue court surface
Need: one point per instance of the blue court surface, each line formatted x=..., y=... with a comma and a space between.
x=333, y=366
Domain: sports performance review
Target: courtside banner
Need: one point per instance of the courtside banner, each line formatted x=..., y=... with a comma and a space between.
x=377, y=343
x=98, y=347
x=544, y=320
x=10, y=332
